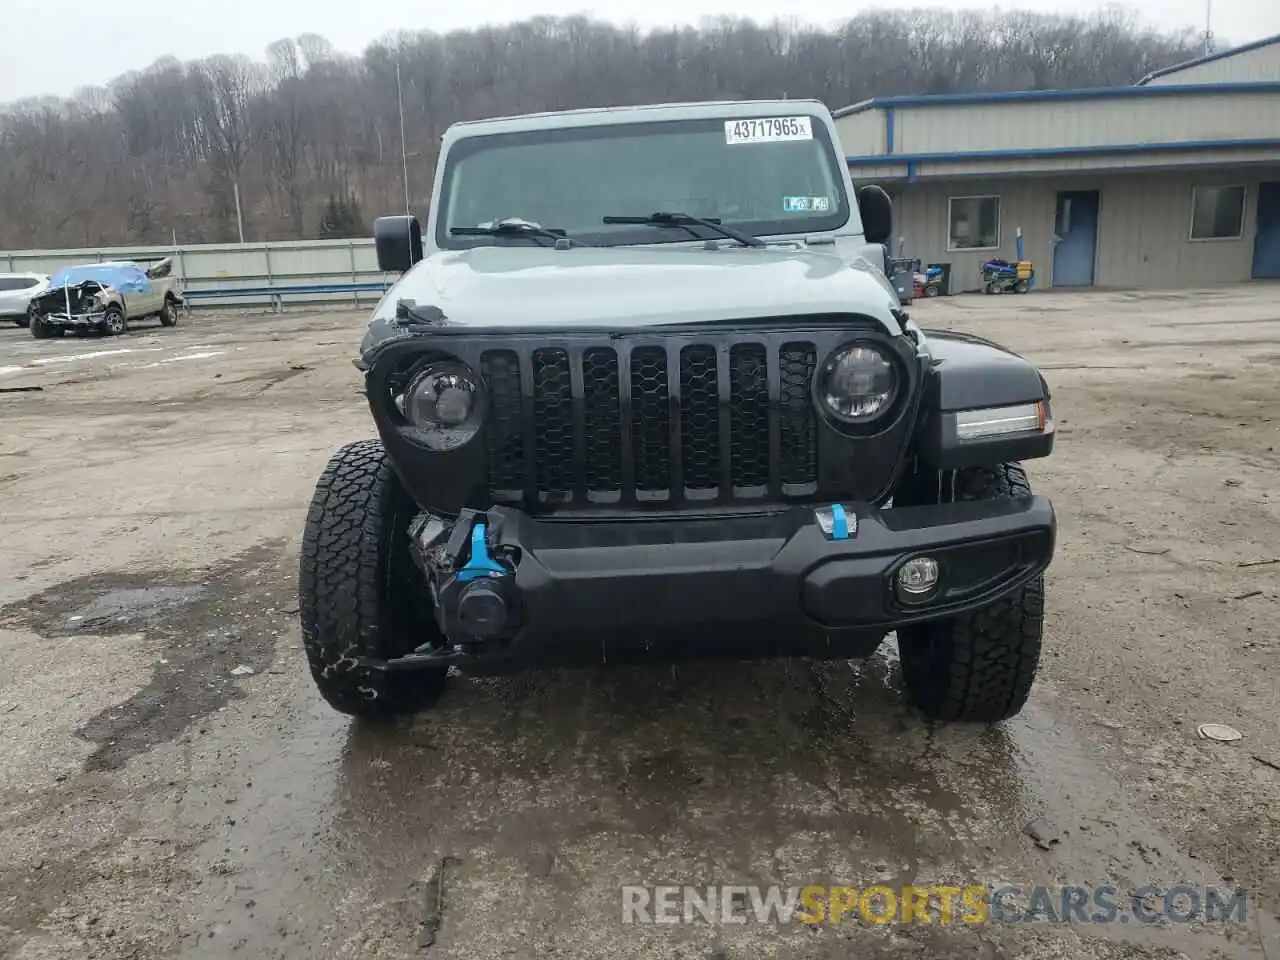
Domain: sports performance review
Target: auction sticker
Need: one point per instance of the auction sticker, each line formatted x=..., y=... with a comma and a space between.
x=768, y=130
x=806, y=204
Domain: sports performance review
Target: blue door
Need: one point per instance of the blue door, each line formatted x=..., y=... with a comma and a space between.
x=1266, y=245
x=1075, y=228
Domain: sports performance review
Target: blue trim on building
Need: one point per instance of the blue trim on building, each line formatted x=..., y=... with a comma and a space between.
x=888, y=130
x=1188, y=64
x=913, y=172
x=1100, y=150
x=1037, y=96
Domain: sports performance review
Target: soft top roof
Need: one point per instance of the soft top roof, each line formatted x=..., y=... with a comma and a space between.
x=125, y=277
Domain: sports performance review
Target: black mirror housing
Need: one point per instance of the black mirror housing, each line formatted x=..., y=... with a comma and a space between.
x=876, y=210
x=398, y=241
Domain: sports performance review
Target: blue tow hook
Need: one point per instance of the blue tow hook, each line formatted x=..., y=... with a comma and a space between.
x=480, y=564
x=484, y=598
x=839, y=522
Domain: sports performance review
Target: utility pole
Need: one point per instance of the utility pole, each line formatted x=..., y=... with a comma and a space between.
x=404, y=150
x=235, y=186
x=1208, y=29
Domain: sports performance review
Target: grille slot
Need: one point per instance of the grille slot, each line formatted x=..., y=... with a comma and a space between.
x=651, y=423
x=699, y=418
x=797, y=428
x=504, y=442
x=553, y=424
x=749, y=416
x=602, y=423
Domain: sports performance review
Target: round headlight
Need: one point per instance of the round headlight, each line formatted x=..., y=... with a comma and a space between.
x=858, y=383
x=446, y=402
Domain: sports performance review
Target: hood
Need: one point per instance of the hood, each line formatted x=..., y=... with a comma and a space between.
x=626, y=287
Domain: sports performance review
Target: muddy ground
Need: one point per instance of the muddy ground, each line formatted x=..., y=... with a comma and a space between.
x=172, y=786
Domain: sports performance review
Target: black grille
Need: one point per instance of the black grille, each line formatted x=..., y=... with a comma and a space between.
x=652, y=423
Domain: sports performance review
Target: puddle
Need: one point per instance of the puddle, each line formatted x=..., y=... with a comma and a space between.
x=229, y=616
x=121, y=609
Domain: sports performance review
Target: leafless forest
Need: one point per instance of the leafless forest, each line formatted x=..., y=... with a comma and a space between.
x=165, y=149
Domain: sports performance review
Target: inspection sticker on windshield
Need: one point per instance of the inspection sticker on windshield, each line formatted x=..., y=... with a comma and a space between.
x=768, y=130
x=806, y=204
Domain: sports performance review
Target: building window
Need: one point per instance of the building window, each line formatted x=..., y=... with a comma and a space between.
x=1217, y=213
x=974, y=223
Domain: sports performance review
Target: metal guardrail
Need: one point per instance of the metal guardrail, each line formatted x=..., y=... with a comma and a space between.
x=276, y=293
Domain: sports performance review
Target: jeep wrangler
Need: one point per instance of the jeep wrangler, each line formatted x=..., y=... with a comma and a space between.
x=644, y=391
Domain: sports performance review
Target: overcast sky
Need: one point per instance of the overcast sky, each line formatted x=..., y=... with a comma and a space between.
x=57, y=46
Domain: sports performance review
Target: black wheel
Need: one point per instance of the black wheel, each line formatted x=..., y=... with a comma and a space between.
x=169, y=313
x=979, y=667
x=1021, y=286
x=114, y=323
x=994, y=287
x=39, y=329
x=930, y=291
x=360, y=595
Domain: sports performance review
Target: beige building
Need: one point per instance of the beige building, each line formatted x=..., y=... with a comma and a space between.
x=1173, y=182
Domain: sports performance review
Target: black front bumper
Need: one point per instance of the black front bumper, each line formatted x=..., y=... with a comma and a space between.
x=743, y=586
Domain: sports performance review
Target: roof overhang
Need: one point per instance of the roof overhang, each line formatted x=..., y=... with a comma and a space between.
x=1057, y=96
x=1065, y=131
x=1210, y=58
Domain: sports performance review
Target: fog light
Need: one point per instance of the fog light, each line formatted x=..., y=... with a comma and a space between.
x=917, y=578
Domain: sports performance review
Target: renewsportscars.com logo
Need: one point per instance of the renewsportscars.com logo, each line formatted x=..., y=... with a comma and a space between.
x=938, y=904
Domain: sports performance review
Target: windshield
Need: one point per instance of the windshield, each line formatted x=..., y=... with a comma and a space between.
x=776, y=175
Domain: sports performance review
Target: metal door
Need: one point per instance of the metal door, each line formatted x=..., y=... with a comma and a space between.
x=1266, y=244
x=1075, y=227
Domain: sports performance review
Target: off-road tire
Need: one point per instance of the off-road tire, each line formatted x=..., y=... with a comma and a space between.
x=979, y=667
x=39, y=329
x=359, y=593
x=168, y=314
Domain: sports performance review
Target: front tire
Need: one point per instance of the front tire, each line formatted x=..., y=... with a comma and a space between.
x=114, y=323
x=979, y=667
x=39, y=329
x=360, y=595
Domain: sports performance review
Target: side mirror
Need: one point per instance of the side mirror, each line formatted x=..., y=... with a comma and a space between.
x=398, y=241
x=877, y=213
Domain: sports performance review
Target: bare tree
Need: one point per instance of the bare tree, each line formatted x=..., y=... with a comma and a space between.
x=225, y=91
x=164, y=149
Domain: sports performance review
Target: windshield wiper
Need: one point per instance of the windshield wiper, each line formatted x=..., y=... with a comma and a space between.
x=514, y=228
x=685, y=221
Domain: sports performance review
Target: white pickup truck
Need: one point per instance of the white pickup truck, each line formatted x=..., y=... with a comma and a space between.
x=106, y=297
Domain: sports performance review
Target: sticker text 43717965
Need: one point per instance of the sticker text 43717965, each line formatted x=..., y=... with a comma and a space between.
x=768, y=130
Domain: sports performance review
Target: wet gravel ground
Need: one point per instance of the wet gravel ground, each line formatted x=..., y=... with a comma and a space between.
x=171, y=785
